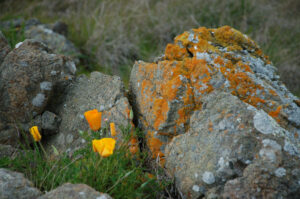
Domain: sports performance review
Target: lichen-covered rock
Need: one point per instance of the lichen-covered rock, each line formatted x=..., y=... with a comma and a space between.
x=4, y=47
x=13, y=185
x=29, y=76
x=75, y=191
x=251, y=118
x=102, y=92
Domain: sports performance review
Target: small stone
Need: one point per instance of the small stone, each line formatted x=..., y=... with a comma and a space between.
x=196, y=188
x=280, y=172
x=208, y=177
x=18, y=44
x=46, y=86
x=39, y=100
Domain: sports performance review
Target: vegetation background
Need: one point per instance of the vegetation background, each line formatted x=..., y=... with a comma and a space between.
x=112, y=34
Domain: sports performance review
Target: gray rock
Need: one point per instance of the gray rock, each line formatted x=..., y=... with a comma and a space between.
x=4, y=47
x=13, y=185
x=11, y=23
x=10, y=135
x=102, y=92
x=60, y=28
x=50, y=123
x=221, y=144
x=74, y=191
x=30, y=77
x=57, y=42
x=259, y=181
x=7, y=151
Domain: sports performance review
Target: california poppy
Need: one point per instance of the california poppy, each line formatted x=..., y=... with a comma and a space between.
x=35, y=133
x=113, y=129
x=93, y=117
x=105, y=146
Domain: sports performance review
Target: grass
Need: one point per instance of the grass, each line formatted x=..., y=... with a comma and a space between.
x=122, y=175
x=14, y=35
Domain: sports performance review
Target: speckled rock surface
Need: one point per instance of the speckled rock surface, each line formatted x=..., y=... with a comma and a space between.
x=30, y=76
x=224, y=141
x=57, y=42
x=4, y=47
x=75, y=191
x=252, y=117
x=13, y=185
x=102, y=92
x=7, y=151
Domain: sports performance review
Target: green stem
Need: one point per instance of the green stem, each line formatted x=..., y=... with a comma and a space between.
x=43, y=150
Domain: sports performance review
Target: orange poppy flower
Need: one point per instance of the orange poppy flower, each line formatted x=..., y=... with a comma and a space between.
x=93, y=117
x=105, y=146
x=34, y=131
x=112, y=129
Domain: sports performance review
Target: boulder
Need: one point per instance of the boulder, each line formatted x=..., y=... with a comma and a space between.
x=14, y=185
x=4, y=47
x=30, y=76
x=213, y=106
x=102, y=92
x=57, y=42
x=74, y=191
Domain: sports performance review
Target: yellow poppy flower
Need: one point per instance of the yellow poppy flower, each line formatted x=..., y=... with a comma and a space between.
x=35, y=133
x=112, y=129
x=93, y=117
x=105, y=146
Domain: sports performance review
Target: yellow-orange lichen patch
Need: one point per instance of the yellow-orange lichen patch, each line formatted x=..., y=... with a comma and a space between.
x=201, y=46
x=154, y=145
x=241, y=126
x=272, y=92
x=219, y=61
x=203, y=33
x=210, y=126
x=182, y=39
x=275, y=113
x=160, y=110
x=175, y=52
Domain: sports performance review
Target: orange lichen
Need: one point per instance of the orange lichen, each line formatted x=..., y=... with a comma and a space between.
x=160, y=109
x=241, y=126
x=275, y=113
x=220, y=61
x=210, y=126
x=174, y=52
x=154, y=145
x=272, y=92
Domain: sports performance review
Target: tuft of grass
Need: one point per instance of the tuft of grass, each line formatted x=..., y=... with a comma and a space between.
x=122, y=175
x=14, y=35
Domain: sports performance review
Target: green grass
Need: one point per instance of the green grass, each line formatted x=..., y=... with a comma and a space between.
x=122, y=175
x=14, y=35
